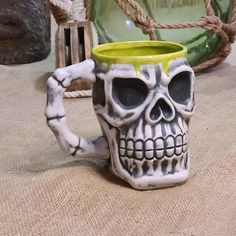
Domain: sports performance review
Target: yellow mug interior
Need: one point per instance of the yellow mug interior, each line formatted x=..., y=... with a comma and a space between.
x=139, y=53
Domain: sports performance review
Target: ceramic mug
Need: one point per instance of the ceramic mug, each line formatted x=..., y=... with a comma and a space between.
x=143, y=96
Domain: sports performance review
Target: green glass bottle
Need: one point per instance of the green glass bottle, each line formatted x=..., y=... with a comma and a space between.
x=113, y=25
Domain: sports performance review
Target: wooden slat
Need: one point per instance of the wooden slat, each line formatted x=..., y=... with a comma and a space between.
x=74, y=44
x=87, y=39
x=61, y=48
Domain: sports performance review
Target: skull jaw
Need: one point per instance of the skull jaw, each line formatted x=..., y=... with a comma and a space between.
x=144, y=182
x=147, y=182
x=153, y=182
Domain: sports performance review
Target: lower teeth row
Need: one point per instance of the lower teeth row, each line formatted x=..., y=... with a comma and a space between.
x=163, y=167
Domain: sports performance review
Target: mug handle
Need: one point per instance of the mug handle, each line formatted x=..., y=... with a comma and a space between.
x=55, y=112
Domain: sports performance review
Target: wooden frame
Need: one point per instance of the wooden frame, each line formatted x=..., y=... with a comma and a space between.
x=73, y=45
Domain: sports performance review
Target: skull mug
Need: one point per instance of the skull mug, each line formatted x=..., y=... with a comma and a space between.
x=143, y=96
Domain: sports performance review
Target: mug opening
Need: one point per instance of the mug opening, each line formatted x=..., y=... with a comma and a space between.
x=138, y=53
x=137, y=49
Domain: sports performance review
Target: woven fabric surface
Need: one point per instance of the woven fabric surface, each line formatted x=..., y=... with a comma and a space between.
x=44, y=192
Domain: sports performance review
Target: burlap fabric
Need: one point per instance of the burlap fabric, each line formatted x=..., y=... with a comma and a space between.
x=44, y=192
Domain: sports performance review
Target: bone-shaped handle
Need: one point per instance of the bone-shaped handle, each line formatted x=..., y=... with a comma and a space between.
x=55, y=112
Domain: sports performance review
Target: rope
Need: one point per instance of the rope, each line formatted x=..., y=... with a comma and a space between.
x=133, y=10
x=78, y=10
x=208, y=7
x=61, y=10
x=78, y=93
x=210, y=22
x=88, y=7
x=233, y=17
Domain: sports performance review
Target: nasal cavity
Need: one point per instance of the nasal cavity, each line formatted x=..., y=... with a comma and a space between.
x=161, y=108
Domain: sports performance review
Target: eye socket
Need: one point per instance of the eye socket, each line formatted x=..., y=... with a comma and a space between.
x=130, y=92
x=180, y=87
x=98, y=92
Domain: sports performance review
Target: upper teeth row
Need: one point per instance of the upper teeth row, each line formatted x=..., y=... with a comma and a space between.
x=150, y=148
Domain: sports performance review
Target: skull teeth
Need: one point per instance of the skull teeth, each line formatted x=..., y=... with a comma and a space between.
x=153, y=167
x=152, y=157
x=153, y=149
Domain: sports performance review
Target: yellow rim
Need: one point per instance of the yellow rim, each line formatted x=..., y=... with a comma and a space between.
x=139, y=53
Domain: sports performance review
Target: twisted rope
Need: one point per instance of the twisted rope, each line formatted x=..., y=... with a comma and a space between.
x=88, y=7
x=78, y=93
x=233, y=17
x=133, y=10
x=78, y=10
x=61, y=10
x=210, y=22
x=208, y=7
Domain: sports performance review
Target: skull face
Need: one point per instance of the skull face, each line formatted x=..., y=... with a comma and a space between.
x=145, y=118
